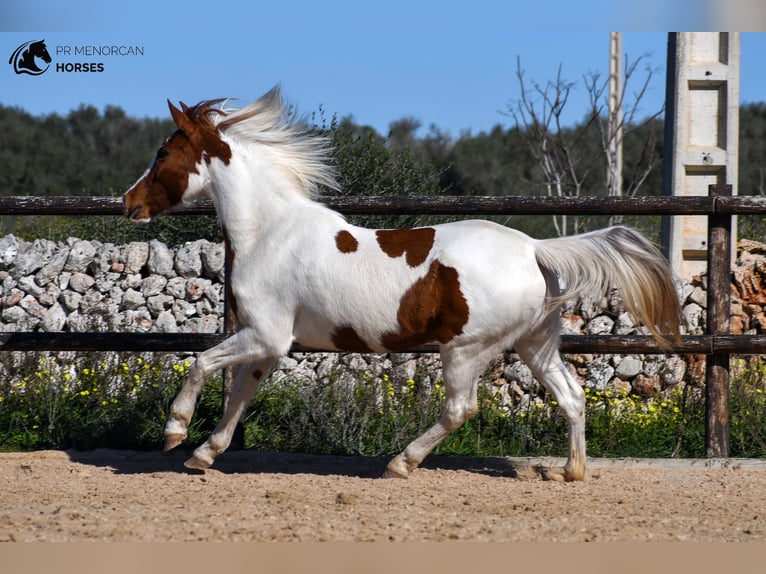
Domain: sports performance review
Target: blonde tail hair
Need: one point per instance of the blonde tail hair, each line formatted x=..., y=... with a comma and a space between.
x=619, y=257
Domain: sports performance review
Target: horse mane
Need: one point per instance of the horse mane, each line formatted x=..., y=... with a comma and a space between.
x=271, y=122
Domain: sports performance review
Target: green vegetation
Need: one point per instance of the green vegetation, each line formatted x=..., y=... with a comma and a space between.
x=90, y=401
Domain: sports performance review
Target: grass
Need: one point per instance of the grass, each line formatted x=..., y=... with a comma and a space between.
x=121, y=401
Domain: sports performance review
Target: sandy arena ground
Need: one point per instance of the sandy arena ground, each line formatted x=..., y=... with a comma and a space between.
x=121, y=496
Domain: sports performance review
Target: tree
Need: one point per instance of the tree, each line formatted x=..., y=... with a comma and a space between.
x=616, y=124
x=556, y=150
x=565, y=155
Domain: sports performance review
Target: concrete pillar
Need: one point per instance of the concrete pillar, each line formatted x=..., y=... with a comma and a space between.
x=701, y=135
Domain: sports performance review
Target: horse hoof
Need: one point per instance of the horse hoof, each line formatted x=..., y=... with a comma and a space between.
x=197, y=463
x=172, y=441
x=554, y=474
x=397, y=468
x=390, y=473
x=561, y=475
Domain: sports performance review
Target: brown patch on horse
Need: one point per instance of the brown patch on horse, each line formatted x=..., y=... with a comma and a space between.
x=345, y=242
x=415, y=243
x=347, y=339
x=432, y=309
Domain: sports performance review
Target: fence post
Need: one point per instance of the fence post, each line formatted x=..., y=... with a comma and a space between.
x=718, y=323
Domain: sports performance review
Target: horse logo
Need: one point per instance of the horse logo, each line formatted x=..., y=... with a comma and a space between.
x=25, y=58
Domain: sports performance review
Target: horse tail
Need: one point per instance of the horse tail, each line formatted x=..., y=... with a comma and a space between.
x=618, y=257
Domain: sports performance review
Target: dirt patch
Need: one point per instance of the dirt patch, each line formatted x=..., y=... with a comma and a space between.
x=250, y=496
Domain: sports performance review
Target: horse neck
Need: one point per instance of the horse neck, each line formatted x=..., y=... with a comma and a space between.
x=251, y=196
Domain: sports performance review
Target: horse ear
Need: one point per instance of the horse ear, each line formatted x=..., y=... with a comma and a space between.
x=180, y=118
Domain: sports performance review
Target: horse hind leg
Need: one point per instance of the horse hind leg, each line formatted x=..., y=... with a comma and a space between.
x=461, y=370
x=541, y=355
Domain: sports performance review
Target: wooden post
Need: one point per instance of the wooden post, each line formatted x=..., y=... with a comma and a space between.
x=718, y=323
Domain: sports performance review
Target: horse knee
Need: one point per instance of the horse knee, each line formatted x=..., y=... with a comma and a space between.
x=455, y=415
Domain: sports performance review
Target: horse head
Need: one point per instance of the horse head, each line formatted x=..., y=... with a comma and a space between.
x=178, y=172
x=39, y=50
x=24, y=58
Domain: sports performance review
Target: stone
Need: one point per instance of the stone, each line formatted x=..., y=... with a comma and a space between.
x=160, y=260
x=28, y=285
x=206, y=324
x=183, y=310
x=571, y=324
x=213, y=257
x=328, y=365
x=9, y=248
x=628, y=368
x=51, y=270
x=188, y=262
x=158, y=303
x=693, y=317
x=176, y=287
x=32, y=306
x=598, y=375
x=624, y=324
x=12, y=298
x=698, y=296
x=70, y=300
x=132, y=281
x=138, y=321
x=196, y=288
x=165, y=323
x=54, y=319
x=646, y=386
x=80, y=257
x=31, y=257
x=672, y=371
x=80, y=282
x=17, y=316
x=601, y=325
x=50, y=295
x=285, y=363
x=153, y=285
x=132, y=300
x=522, y=375
x=591, y=306
x=136, y=256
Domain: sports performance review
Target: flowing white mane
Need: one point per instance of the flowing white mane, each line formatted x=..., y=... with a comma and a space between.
x=271, y=122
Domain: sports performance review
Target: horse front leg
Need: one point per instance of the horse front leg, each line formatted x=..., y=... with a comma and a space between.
x=237, y=349
x=182, y=408
x=242, y=391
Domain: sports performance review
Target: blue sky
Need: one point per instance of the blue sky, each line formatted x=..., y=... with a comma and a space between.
x=450, y=64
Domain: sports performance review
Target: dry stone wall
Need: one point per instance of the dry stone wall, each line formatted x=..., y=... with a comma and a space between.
x=80, y=286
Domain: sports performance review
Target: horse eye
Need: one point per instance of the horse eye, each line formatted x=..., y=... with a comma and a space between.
x=162, y=152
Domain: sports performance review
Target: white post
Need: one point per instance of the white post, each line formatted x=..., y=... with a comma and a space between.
x=701, y=135
x=614, y=153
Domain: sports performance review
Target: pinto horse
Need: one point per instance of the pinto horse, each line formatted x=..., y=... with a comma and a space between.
x=301, y=273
